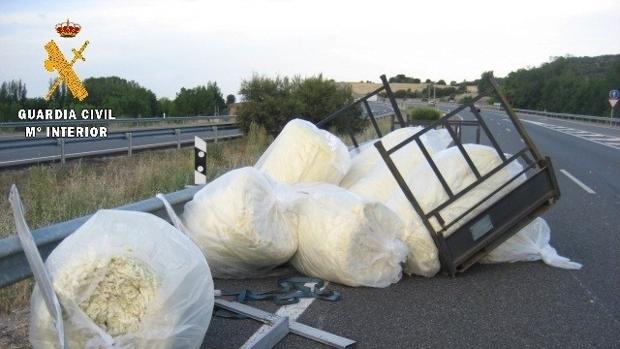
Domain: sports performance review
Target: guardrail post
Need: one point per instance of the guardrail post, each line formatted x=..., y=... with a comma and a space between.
x=178, y=133
x=62, y=150
x=130, y=145
x=200, y=161
x=215, y=130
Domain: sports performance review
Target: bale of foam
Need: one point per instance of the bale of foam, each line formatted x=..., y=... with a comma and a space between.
x=530, y=244
x=243, y=222
x=347, y=240
x=304, y=153
x=370, y=177
x=366, y=157
x=423, y=258
x=126, y=280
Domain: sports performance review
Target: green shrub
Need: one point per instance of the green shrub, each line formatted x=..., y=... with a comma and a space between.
x=257, y=140
x=271, y=103
x=416, y=114
x=466, y=100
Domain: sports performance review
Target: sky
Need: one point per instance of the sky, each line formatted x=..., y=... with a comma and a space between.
x=166, y=45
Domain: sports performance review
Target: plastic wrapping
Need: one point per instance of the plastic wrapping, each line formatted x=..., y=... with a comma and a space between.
x=168, y=286
x=39, y=271
x=370, y=178
x=365, y=159
x=423, y=258
x=530, y=244
x=344, y=239
x=243, y=222
x=304, y=153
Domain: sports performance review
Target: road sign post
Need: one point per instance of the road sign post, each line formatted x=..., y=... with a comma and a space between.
x=614, y=95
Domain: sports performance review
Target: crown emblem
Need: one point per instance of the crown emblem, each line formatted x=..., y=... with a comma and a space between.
x=68, y=29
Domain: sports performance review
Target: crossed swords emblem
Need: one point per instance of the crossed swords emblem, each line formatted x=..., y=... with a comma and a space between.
x=57, y=61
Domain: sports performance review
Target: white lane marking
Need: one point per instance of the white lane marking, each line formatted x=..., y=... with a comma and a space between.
x=608, y=141
x=293, y=311
x=578, y=182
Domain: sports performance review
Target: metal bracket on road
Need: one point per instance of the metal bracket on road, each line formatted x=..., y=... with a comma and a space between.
x=280, y=326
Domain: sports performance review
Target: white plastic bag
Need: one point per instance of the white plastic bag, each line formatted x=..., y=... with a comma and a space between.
x=243, y=222
x=365, y=159
x=423, y=258
x=345, y=239
x=304, y=153
x=376, y=182
x=39, y=271
x=126, y=280
x=530, y=244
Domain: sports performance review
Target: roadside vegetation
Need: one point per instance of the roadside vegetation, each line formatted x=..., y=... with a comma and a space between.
x=578, y=85
x=125, y=98
x=422, y=114
x=272, y=102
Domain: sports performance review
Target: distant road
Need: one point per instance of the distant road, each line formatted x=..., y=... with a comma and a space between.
x=14, y=154
x=43, y=150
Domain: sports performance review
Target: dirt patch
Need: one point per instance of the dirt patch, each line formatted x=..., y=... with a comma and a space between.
x=14, y=329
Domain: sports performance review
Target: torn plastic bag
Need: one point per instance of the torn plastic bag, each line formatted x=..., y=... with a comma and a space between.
x=243, y=222
x=39, y=271
x=304, y=153
x=530, y=244
x=126, y=280
x=347, y=240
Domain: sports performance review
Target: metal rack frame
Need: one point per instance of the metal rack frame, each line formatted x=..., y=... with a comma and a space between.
x=385, y=86
x=478, y=236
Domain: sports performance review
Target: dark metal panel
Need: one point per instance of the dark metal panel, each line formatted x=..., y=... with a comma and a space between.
x=504, y=215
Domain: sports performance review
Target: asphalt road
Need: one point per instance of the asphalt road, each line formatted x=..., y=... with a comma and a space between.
x=10, y=156
x=493, y=306
x=85, y=147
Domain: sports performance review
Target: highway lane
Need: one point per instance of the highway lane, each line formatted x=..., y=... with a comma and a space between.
x=504, y=305
x=45, y=152
x=9, y=156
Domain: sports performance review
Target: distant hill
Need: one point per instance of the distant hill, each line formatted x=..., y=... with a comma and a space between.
x=578, y=85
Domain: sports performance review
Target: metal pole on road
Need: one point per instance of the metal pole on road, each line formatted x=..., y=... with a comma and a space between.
x=215, y=130
x=178, y=133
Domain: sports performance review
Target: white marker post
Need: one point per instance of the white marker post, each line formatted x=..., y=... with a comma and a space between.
x=613, y=99
x=200, y=161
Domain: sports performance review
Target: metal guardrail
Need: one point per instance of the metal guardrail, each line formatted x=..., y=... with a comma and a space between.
x=588, y=118
x=138, y=121
x=13, y=264
x=128, y=135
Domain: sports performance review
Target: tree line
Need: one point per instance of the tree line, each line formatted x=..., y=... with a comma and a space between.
x=272, y=102
x=125, y=98
x=577, y=85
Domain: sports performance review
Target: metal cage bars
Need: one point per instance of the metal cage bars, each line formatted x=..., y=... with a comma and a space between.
x=364, y=100
x=446, y=257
